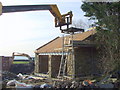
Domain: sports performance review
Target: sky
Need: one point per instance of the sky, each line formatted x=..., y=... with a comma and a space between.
x=24, y=32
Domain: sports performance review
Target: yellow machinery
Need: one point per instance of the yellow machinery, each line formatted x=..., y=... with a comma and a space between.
x=60, y=20
x=22, y=64
x=14, y=54
x=20, y=54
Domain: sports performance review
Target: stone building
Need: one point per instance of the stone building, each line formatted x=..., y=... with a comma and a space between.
x=6, y=63
x=81, y=62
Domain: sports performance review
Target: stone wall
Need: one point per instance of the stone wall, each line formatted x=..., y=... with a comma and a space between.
x=6, y=63
x=54, y=64
x=36, y=63
x=47, y=64
x=43, y=63
x=85, y=61
x=70, y=67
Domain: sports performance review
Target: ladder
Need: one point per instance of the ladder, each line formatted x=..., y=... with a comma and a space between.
x=65, y=52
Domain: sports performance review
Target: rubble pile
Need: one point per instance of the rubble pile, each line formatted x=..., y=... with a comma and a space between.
x=72, y=84
x=8, y=76
x=85, y=84
x=34, y=82
x=63, y=84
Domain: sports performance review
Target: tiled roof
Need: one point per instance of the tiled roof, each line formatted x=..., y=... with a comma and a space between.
x=56, y=44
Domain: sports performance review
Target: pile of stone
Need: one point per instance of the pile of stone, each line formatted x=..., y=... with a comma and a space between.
x=8, y=76
x=73, y=84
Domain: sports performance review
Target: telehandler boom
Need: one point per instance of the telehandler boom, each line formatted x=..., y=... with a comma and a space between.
x=60, y=20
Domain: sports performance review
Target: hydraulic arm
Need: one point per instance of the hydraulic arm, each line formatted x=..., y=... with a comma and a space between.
x=20, y=54
x=60, y=20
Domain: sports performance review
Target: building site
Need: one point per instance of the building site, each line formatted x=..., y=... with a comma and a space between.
x=80, y=58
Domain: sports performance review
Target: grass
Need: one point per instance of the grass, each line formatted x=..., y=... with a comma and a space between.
x=20, y=62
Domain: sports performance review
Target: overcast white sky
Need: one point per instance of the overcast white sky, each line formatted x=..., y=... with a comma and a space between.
x=26, y=31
